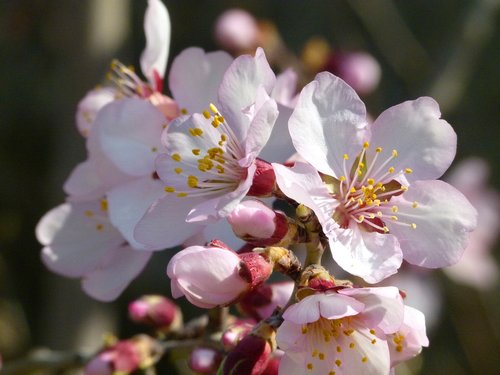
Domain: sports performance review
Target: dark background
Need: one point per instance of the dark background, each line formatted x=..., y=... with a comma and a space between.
x=52, y=53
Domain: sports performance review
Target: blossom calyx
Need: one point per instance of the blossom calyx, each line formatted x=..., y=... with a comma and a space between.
x=264, y=180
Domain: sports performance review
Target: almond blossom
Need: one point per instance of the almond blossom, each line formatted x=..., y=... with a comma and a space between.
x=340, y=332
x=375, y=195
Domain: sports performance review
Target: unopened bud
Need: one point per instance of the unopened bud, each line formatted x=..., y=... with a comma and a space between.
x=156, y=311
x=236, y=30
x=256, y=223
x=123, y=357
x=235, y=333
x=195, y=270
x=264, y=180
x=251, y=356
x=204, y=361
x=261, y=302
x=274, y=363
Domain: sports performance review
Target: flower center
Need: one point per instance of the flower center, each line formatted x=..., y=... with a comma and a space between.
x=366, y=190
x=216, y=168
x=127, y=81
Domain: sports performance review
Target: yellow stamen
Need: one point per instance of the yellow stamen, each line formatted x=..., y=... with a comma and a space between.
x=346, y=157
x=378, y=149
x=169, y=189
x=206, y=114
x=104, y=205
x=196, y=151
x=182, y=195
x=408, y=170
x=213, y=108
x=371, y=181
x=414, y=205
x=394, y=209
x=192, y=181
x=178, y=170
x=366, y=145
x=394, y=153
x=391, y=169
x=176, y=157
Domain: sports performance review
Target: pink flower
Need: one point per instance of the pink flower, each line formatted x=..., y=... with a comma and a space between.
x=407, y=342
x=80, y=241
x=340, y=332
x=195, y=271
x=211, y=159
x=478, y=266
x=122, y=357
x=236, y=30
x=156, y=311
x=379, y=201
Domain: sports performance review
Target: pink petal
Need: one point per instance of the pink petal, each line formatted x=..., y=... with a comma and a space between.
x=129, y=202
x=111, y=278
x=195, y=77
x=157, y=29
x=443, y=218
x=303, y=184
x=84, y=183
x=279, y=146
x=92, y=103
x=370, y=255
x=128, y=133
x=328, y=122
x=76, y=237
x=424, y=143
x=285, y=88
x=383, y=306
x=164, y=224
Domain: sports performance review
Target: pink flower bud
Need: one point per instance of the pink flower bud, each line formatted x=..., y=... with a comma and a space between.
x=156, y=311
x=235, y=333
x=256, y=223
x=122, y=357
x=264, y=180
x=262, y=301
x=204, y=360
x=250, y=357
x=274, y=364
x=236, y=30
x=359, y=69
x=214, y=276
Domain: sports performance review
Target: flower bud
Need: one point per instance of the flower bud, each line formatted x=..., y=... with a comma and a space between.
x=156, y=311
x=250, y=357
x=236, y=30
x=262, y=301
x=122, y=357
x=264, y=180
x=359, y=69
x=195, y=271
x=204, y=360
x=274, y=364
x=235, y=333
x=256, y=223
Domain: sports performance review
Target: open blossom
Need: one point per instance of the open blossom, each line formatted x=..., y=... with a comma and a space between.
x=478, y=266
x=214, y=276
x=340, y=332
x=211, y=160
x=80, y=241
x=377, y=198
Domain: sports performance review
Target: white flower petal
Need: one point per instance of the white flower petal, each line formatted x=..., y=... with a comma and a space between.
x=424, y=143
x=328, y=122
x=92, y=103
x=195, y=77
x=157, y=29
x=443, y=218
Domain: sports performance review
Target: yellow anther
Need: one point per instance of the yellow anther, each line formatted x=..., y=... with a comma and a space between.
x=360, y=172
x=310, y=366
x=364, y=359
x=366, y=145
x=215, y=123
x=184, y=111
x=192, y=181
x=408, y=170
x=220, y=118
x=223, y=137
x=314, y=353
x=352, y=345
x=154, y=149
x=206, y=114
x=169, y=189
x=376, y=202
x=361, y=218
x=196, y=151
x=89, y=213
x=413, y=225
x=338, y=362
x=176, y=157
x=394, y=209
x=321, y=356
x=386, y=230
x=379, y=213
x=404, y=188
x=371, y=181
x=342, y=178
x=414, y=205
x=104, y=205
x=395, y=218
x=346, y=157
x=99, y=227
x=374, y=341
x=213, y=108
x=378, y=149
x=372, y=331
x=360, y=202
x=394, y=153
x=178, y=170
x=361, y=165
x=182, y=195
x=391, y=169
x=220, y=169
x=339, y=349
x=304, y=330
x=331, y=373
x=371, y=216
x=353, y=190
x=399, y=348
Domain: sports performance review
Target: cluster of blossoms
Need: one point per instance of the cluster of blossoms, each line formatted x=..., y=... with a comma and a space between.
x=202, y=169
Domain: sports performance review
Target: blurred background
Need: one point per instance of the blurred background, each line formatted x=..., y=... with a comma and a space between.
x=53, y=52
